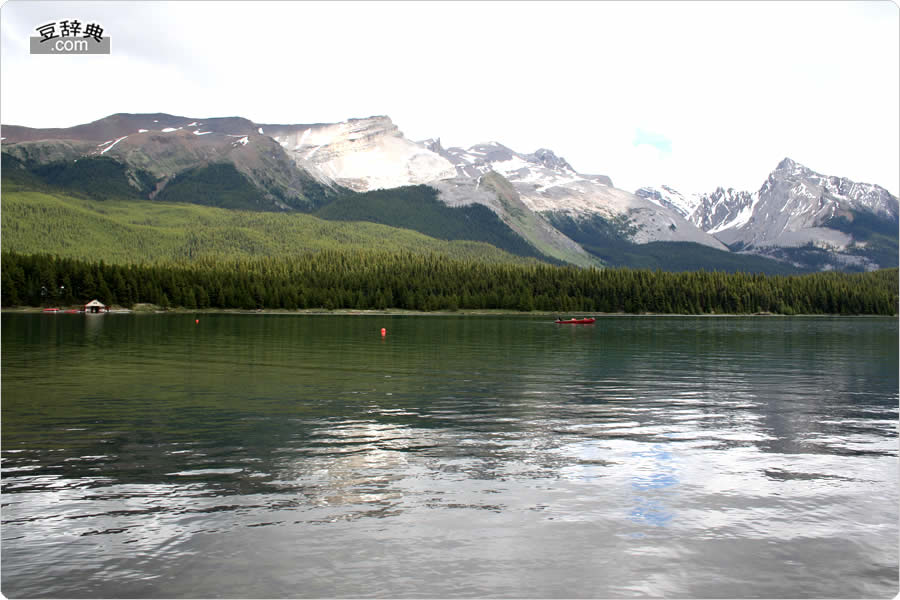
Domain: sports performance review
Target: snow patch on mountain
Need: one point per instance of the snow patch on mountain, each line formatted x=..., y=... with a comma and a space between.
x=110, y=147
x=741, y=218
x=668, y=197
x=362, y=154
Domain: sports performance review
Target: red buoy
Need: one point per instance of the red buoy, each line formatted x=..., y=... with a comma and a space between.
x=383, y=332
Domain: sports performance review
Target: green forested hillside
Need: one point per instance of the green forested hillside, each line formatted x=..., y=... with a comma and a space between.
x=418, y=208
x=121, y=231
x=222, y=185
x=878, y=236
x=97, y=177
x=366, y=279
x=219, y=185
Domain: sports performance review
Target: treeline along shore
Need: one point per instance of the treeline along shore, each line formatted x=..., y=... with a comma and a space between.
x=363, y=280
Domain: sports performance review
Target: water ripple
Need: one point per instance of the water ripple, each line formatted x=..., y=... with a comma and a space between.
x=285, y=457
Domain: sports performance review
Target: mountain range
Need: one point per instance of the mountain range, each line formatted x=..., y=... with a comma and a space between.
x=531, y=204
x=797, y=213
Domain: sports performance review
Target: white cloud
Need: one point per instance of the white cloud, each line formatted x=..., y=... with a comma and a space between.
x=735, y=86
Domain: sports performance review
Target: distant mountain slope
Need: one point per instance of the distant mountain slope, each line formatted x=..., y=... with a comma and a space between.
x=602, y=239
x=165, y=148
x=548, y=185
x=123, y=124
x=417, y=208
x=98, y=177
x=496, y=193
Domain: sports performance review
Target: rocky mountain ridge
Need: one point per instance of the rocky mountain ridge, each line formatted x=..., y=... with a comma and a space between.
x=168, y=149
x=549, y=186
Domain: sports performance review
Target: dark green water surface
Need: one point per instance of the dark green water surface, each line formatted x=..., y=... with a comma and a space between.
x=267, y=456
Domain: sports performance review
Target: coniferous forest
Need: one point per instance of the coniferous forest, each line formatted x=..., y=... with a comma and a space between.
x=363, y=279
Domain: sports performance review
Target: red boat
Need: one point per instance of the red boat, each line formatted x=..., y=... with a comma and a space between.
x=51, y=310
x=576, y=321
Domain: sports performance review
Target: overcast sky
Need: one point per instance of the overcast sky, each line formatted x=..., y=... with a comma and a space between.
x=696, y=95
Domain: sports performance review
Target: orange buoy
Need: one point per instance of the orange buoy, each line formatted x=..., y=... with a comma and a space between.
x=196, y=320
x=383, y=332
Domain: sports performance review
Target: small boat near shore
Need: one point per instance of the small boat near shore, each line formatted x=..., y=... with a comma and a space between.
x=587, y=321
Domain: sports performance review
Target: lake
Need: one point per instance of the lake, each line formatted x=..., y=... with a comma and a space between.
x=268, y=456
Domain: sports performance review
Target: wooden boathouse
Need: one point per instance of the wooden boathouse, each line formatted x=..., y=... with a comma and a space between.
x=95, y=306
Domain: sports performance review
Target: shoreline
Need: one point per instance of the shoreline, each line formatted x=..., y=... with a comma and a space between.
x=149, y=309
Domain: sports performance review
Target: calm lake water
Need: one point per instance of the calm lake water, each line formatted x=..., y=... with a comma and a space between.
x=266, y=456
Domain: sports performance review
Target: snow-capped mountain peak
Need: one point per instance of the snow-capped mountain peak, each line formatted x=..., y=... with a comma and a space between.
x=787, y=164
x=840, y=192
x=549, y=159
x=795, y=206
